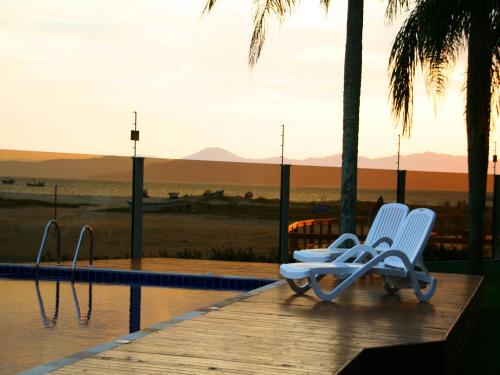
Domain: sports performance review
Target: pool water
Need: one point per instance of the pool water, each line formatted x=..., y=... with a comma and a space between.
x=46, y=320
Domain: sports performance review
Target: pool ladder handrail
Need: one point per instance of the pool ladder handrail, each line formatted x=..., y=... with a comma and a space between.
x=85, y=229
x=44, y=240
x=49, y=323
x=85, y=320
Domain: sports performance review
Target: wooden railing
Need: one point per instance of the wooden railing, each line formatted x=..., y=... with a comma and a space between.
x=316, y=233
x=450, y=231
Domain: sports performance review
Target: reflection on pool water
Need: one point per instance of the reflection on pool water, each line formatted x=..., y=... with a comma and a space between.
x=43, y=321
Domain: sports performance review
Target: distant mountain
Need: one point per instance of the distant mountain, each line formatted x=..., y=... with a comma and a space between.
x=59, y=165
x=427, y=161
x=218, y=154
x=83, y=168
x=21, y=155
x=233, y=169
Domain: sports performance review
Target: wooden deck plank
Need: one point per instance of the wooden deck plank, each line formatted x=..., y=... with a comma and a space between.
x=277, y=332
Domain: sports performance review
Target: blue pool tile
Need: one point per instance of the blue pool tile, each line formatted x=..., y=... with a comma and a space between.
x=135, y=277
x=173, y=280
x=209, y=282
x=195, y=282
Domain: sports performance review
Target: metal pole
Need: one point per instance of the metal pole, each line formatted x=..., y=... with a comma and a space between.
x=55, y=202
x=400, y=177
x=495, y=160
x=135, y=129
x=401, y=186
x=137, y=193
x=495, y=222
x=135, y=309
x=284, y=205
x=282, y=144
x=399, y=148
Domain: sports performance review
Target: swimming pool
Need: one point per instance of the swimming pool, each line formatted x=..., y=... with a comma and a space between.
x=42, y=321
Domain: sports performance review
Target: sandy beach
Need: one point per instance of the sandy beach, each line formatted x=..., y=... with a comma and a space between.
x=164, y=234
x=231, y=228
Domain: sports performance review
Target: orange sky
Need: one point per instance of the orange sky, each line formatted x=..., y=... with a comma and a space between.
x=73, y=73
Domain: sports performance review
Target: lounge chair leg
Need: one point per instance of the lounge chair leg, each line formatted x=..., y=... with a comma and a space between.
x=303, y=287
x=415, y=283
x=390, y=286
x=344, y=284
x=299, y=288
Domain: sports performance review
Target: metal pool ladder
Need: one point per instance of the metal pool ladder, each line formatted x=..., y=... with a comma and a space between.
x=44, y=240
x=85, y=229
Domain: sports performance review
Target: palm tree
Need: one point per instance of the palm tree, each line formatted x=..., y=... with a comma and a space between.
x=432, y=37
x=352, y=88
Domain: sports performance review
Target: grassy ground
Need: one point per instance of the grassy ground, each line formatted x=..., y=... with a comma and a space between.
x=483, y=353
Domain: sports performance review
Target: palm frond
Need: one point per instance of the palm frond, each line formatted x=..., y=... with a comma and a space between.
x=208, y=6
x=444, y=37
x=495, y=89
x=431, y=38
x=495, y=67
x=325, y=4
x=396, y=7
x=263, y=10
x=402, y=65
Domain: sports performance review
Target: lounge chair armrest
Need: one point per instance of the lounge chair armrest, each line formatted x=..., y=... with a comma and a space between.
x=344, y=237
x=382, y=240
x=356, y=252
x=393, y=253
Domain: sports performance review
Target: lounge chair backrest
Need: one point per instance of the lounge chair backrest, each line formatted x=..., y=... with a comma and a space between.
x=386, y=223
x=412, y=236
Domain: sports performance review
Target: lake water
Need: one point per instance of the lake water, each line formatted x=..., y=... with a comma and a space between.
x=122, y=189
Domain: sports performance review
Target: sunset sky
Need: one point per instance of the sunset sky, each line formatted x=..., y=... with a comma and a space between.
x=74, y=71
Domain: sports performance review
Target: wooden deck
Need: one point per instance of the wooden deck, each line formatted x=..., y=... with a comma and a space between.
x=191, y=266
x=277, y=332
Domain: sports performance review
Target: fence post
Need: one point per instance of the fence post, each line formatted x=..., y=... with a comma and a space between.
x=134, y=323
x=401, y=186
x=284, y=205
x=137, y=193
x=495, y=222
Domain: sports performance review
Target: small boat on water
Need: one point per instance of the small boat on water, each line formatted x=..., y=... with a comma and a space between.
x=8, y=181
x=36, y=183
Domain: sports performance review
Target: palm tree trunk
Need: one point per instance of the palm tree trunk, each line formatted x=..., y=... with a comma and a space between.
x=352, y=92
x=478, y=128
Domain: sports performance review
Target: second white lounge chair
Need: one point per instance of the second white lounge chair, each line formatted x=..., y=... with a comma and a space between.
x=380, y=236
x=400, y=266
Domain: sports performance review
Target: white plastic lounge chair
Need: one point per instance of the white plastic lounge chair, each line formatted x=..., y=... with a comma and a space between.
x=380, y=235
x=400, y=266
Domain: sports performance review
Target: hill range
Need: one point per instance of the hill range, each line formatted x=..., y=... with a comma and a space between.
x=216, y=165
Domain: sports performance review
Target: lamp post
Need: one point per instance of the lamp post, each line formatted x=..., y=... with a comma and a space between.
x=137, y=192
x=401, y=177
x=495, y=242
x=284, y=202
